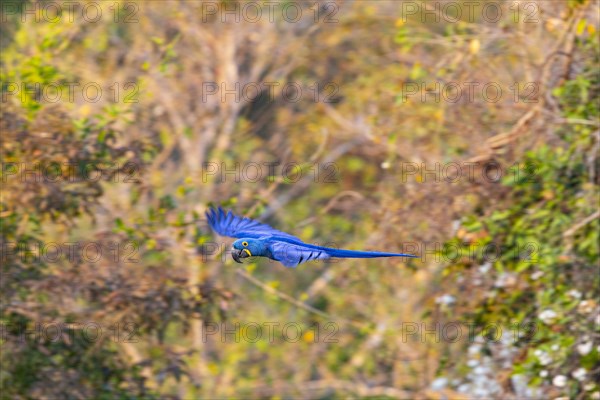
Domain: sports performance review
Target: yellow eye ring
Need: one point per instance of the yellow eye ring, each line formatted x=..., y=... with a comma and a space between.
x=244, y=244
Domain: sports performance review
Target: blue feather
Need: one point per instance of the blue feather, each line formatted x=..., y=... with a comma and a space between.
x=365, y=254
x=258, y=239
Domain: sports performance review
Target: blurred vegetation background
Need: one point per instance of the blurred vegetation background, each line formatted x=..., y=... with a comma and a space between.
x=529, y=315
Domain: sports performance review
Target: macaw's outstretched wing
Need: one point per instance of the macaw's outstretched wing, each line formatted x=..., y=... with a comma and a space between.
x=292, y=254
x=229, y=224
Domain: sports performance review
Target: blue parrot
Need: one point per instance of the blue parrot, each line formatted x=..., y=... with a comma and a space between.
x=257, y=239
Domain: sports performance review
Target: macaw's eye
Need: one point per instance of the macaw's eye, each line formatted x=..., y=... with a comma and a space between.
x=244, y=244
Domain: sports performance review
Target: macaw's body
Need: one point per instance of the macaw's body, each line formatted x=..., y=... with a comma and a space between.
x=257, y=239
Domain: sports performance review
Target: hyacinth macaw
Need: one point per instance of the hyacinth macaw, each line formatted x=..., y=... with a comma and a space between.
x=257, y=239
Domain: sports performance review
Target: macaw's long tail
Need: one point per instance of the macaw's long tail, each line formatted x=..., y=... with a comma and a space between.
x=364, y=254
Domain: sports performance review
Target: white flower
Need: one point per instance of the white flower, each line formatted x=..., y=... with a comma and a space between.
x=439, y=383
x=543, y=373
x=472, y=363
x=574, y=293
x=446, y=299
x=537, y=275
x=579, y=374
x=481, y=370
x=595, y=396
x=544, y=357
x=464, y=388
x=505, y=280
x=474, y=349
x=548, y=316
x=555, y=347
x=559, y=381
x=385, y=165
x=584, y=348
x=485, y=268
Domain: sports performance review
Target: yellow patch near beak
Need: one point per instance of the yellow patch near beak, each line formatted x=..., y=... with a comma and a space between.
x=248, y=251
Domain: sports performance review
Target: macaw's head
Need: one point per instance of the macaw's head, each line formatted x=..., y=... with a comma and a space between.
x=243, y=248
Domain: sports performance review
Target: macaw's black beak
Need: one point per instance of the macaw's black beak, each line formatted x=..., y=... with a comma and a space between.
x=238, y=254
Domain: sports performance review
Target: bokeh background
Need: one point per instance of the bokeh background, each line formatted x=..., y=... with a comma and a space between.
x=464, y=132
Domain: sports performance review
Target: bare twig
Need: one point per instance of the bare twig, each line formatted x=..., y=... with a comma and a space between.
x=503, y=139
x=571, y=231
x=291, y=300
x=576, y=121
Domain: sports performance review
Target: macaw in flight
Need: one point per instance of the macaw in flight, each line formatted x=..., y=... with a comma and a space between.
x=257, y=239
